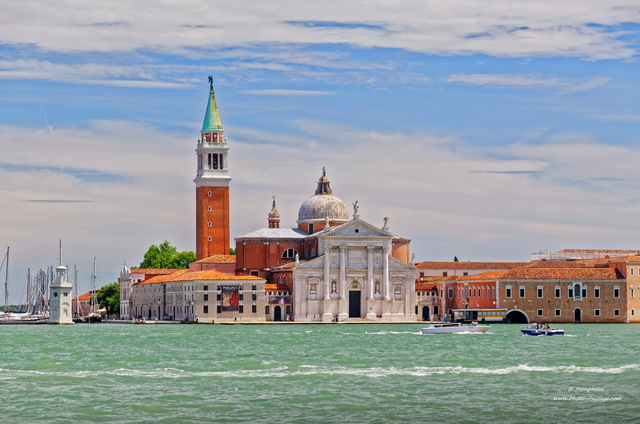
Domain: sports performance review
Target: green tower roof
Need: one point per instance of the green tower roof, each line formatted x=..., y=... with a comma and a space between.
x=212, y=120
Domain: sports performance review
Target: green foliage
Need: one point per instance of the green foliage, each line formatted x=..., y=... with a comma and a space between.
x=232, y=251
x=166, y=256
x=455, y=259
x=109, y=298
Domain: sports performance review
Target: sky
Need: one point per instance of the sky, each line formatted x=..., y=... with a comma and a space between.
x=484, y=130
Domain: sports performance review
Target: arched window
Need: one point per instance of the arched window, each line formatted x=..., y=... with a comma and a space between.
x=289, y=254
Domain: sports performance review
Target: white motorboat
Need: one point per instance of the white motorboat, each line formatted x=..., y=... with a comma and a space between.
x=455, y=327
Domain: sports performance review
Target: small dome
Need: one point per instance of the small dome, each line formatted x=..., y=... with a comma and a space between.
x=274, y=214
x=323, y=205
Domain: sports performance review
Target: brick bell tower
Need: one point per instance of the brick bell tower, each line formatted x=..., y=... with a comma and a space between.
x=212, y=185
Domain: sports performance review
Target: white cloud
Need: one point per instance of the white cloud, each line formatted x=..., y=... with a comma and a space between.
x=284, y=92
x=448, y=197
x=501, y=28
x=525, y=81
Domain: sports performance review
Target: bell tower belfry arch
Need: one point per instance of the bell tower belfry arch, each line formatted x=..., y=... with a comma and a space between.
x=212, y=185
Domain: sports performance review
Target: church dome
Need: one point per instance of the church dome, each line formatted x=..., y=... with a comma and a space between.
x=323, y=205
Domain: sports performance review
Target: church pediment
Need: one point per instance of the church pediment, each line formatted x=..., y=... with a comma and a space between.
x=317, y=263
x=398, y=265
x=356, y=228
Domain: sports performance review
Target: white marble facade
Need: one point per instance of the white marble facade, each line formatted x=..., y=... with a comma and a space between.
x=354, y=277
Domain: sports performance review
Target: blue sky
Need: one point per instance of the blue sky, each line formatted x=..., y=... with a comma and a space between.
x=483, y=130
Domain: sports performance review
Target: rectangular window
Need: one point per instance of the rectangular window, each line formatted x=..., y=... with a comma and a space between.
x=219, y=296
x=255, y=273
x=240, y=308
x=508, y=292
x=584, y=292
x=240, y=296
x=254, y=287
x=288, y=310
x=522, y=292
x=205, y=287
x=254, y=296
x=450, y=292
x=631, y=269
x=557, y=312
x=616, y=292
x=266, y=310
x=539, y=312
x=616, y=312
x=205, y=309
x=219, y=309
x=444, y=273
x=465, y=273
x=570, y=291
x=539, y=292
x=205, y=296
x=558, y=292
x=254, y=309
x=421, y=274
x=596, y=312
x=596, y=292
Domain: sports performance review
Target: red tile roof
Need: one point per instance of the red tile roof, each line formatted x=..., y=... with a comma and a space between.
x=561, y=274
x=86, y=296
x=487, y=275
x=469, y=265
x=559, y=264
x=425, y=285
x=218, y=259
x=157, y=279
x=211, y=274
x=276, y=286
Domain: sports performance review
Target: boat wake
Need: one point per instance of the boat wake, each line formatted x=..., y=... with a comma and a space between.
x=283, y=371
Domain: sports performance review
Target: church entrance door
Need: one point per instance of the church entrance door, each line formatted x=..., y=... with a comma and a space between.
x=277, y=313
x=354, y=304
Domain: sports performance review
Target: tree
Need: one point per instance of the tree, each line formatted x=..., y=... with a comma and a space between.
x=167, y=256
x=109, y=298
x=455, y=259
x=232, y=251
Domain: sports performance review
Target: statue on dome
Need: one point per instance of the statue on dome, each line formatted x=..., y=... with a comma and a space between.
x=324, y=172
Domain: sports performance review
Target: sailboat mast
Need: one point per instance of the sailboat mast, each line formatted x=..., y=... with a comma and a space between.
x=6, y=283
x=75, y=289
x=26, y=307
x=93, y=287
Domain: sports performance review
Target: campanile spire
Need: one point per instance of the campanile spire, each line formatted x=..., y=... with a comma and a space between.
x=212, y=184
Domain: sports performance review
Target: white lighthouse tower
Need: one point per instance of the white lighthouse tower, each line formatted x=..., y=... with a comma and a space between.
x=60, y=298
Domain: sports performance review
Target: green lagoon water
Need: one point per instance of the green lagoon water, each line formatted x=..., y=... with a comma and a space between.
x=336, y=373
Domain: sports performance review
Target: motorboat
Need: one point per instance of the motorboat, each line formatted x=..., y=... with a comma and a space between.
x=541, y=329
x=455, y=327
